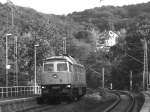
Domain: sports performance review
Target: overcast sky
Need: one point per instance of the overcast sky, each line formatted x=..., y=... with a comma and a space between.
x=69, y=6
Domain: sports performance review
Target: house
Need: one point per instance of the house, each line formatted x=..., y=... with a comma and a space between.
x=106, y=40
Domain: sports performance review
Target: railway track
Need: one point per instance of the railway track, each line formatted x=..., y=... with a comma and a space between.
x=124, y=103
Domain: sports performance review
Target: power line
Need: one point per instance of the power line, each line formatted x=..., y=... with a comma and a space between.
x=130, y=55
x=135, y=58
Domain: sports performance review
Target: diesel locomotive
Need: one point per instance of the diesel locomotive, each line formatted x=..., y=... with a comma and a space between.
x=62, y=76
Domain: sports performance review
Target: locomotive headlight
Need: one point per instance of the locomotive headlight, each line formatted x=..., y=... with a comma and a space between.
x=55, y=75
x=68, y=86
x=43, y=87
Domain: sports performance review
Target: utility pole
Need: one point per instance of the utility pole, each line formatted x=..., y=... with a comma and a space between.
x=7, y=65
x=130, y=80
x=144, y=30
x=103, y=78
x=146, y=61
x=69, y=37
x=100, y=2
x=16, y=59
x=64, y=45
x=111, y=86
x=145, y=71
x=35, y=73
x=10, y=4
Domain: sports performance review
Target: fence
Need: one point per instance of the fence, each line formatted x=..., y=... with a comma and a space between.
x=19, y=91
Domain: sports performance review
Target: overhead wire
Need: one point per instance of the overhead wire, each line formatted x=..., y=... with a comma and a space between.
x=130, y=55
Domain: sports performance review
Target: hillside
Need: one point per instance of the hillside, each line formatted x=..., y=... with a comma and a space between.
x=105, y=18
x=81, y=30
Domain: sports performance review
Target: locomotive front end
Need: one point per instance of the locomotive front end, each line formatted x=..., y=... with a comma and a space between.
x=62, y=76
x=56, y=78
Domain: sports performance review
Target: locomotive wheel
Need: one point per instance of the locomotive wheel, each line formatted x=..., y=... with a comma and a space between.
x=40, y=100
x=74, y=98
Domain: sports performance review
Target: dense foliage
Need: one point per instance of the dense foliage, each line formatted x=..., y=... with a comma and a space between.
x=33, y=28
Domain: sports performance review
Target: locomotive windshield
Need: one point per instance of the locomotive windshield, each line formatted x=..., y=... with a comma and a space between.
x=62, y=67
x=48, y=67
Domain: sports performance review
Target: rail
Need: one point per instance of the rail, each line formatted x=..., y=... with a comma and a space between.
x=131, y=103
x=19, y=91
x=132, y=100
x=118, y=99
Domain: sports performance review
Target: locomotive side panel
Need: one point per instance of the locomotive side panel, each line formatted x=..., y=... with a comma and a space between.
x=79, y=76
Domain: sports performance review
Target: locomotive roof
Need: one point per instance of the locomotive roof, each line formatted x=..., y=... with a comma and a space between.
x=67, y=58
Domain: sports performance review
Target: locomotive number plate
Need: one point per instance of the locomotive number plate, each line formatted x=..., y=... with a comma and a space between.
x=55, y=87
x=45, y=91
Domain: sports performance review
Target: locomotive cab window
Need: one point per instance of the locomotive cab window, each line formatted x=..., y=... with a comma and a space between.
x=62, y=67
x=70, y=67
x=48, y=67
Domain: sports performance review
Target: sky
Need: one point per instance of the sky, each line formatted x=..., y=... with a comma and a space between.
x=63, y=7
